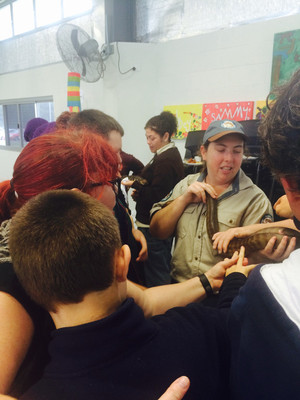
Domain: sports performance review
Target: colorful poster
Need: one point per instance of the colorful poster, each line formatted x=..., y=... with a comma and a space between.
x=260, y=109
x=238, y=111
x=188, y=117
x=286, y=56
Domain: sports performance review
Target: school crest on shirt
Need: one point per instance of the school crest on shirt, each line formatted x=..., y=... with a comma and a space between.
x=266, y=218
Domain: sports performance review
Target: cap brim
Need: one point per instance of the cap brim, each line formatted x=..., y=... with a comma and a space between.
x=224, y=133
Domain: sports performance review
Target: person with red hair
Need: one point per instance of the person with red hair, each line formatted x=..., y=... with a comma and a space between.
x=63, y=160
x=87, y=160
x=55, y=161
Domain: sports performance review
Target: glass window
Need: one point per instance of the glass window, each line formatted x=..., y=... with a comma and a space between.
x=13, y=125
x=5, y=23
x=47, y=12
x=23, y=16
x=27, y=112
x=45, y=110
x=2, y=128
x=14, y=118
x=71, y=7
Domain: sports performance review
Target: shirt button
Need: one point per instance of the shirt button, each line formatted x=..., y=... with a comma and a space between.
x=199, y=236
x=196, y=258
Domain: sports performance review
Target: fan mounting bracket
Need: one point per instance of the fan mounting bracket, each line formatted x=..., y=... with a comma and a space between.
x=106, y=51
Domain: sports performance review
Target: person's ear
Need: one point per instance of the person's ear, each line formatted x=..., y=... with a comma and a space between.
x=203, y=152
x=122, y=259
x=166, y=137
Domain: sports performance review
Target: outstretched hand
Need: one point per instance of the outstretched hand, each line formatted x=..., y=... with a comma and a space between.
x=216, y=274
x=279, y=253
x=221, y=240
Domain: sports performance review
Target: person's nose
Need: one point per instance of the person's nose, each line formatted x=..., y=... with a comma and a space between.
x=228, y=156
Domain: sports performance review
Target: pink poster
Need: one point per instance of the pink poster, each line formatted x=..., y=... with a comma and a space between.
x=238, y=111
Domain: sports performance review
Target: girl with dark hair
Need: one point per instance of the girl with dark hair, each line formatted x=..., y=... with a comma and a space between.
x=162, y=173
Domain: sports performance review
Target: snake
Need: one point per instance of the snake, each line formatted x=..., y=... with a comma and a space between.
x=137, y=178
x=252, y=243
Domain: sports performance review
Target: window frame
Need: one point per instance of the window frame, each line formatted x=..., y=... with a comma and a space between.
x=18, y=103
x=38, y=28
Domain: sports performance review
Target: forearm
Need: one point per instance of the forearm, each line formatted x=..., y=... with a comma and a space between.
x=164, y=221
x=286, y=223
x=16, y=331
x=159, y=299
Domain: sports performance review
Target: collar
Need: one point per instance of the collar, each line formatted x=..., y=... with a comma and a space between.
x=166, y=147
x=232, y=189
x=74, y=349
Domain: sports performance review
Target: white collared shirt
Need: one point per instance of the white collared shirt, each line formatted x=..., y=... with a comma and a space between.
x=283, y=280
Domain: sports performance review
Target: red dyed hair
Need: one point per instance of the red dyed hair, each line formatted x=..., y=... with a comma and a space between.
x=61, y=160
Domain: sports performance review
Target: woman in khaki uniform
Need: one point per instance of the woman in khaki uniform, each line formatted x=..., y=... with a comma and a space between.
x=240, y=201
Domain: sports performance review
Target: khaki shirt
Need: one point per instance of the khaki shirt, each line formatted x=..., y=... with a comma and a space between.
x=243, y=203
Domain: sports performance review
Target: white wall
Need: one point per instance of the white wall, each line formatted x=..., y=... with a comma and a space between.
x=228, y=65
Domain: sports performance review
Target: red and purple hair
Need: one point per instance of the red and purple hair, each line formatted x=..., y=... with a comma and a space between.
x=61, y=160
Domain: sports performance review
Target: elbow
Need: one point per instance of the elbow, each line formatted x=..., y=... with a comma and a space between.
x=154, y=230
x=157, y=230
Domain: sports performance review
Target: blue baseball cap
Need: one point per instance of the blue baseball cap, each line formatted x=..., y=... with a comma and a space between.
x=223, y=127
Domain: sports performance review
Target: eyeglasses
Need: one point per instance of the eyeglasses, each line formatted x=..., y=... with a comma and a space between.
x=110, y=183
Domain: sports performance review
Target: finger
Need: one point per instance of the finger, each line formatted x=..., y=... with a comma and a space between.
x=282, y=246
x=215, y=236
x=177, y=389
x=235, y=254
x=216, y=242
x=224, y=245
x=241, y=256
x=202, y=194
x=270, y=245
x=198, y=191
x=228, y=262
x=291, y=247
x=211, y=191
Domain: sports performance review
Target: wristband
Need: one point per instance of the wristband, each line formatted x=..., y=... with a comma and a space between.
x=206, y=285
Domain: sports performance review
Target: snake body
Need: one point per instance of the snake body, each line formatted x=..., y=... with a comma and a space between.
x=255, y=242
x=137, y=178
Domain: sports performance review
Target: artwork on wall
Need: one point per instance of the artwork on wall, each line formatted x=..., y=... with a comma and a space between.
x=193, y=117
x=260, y=109
x=74, y=92
x=238, y=111
x=286, y=56
x=188, y=116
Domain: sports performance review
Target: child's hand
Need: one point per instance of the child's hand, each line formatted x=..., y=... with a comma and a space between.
x=239, y=267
